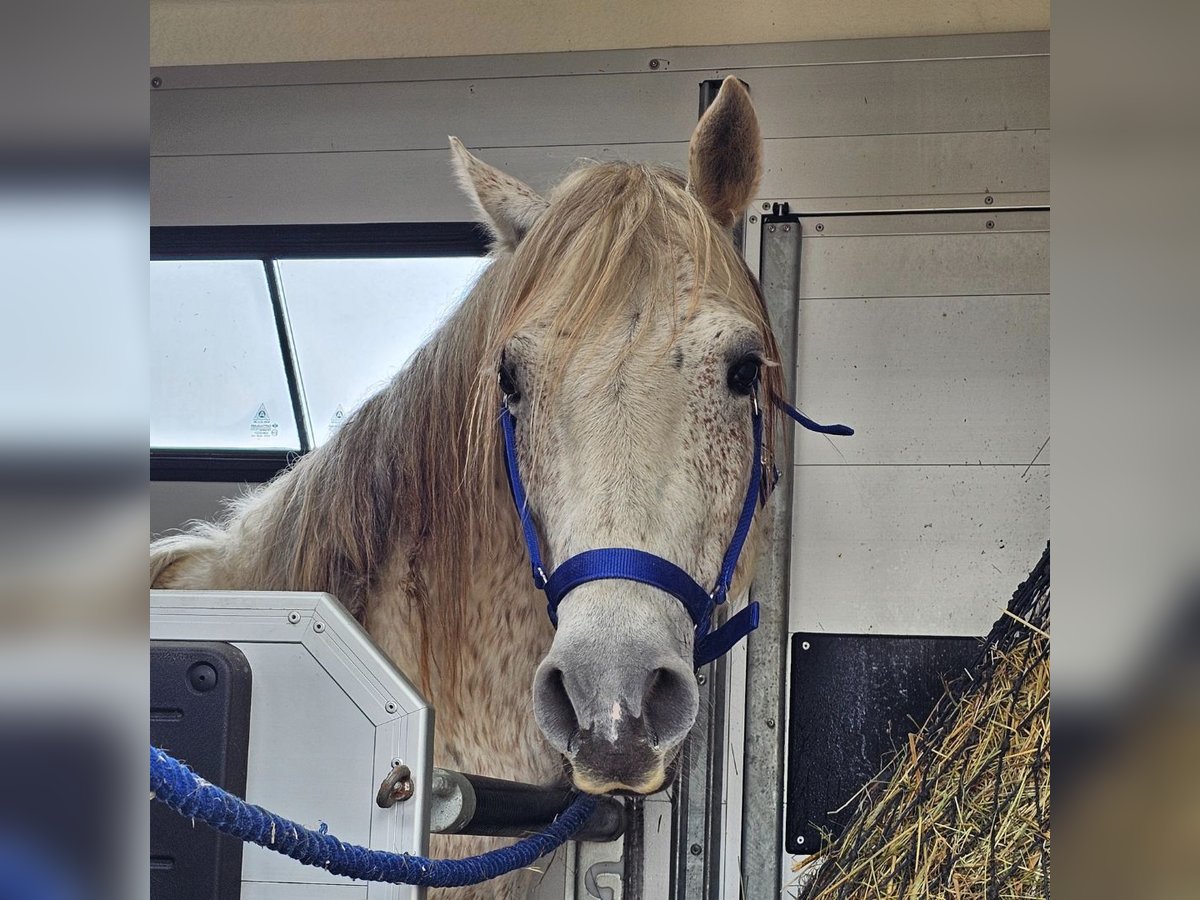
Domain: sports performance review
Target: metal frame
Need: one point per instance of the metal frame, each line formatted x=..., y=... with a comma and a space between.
x=777, y=255
x=256, y=622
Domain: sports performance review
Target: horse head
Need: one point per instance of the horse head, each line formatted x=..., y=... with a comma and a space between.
x=632, y=348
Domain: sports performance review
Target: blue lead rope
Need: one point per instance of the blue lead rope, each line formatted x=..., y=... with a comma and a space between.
x=191, y=796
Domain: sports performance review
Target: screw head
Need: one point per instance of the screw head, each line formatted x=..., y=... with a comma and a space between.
x=771, y=228
x=155, y=82
x=753, y=219
x=989, y=200
x=391, y=706
x=787, y=227
x=655, y=63
x=766, y=204
x=770, y=723
x=696, y=849
x=294, y=617
x=318, y=627
x=989, y=224
x=202, y=677
x=820, y=226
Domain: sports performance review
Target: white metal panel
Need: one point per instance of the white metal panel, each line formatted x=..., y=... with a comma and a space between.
x=904, y=97
x=700, y=60
x=402, y=186
x=282, y=732
x=931, y=550
x=926, y=380
x=822, y=173
x=909, y=166
x=925, y=265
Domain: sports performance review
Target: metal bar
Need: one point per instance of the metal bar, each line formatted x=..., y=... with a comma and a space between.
x=475, y=804
x=287, y=348
x=696, y=860
x=766, y=664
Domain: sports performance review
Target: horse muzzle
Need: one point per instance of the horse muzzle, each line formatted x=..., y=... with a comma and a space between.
x=618, y=718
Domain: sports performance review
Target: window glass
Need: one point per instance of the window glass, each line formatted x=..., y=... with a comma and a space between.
x=356, y=322
x=217, y=376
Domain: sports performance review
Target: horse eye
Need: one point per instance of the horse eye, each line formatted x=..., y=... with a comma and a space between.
x=743, y=375
x=508, y=384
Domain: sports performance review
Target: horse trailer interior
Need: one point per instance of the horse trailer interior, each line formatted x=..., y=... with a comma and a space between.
x=900, y=234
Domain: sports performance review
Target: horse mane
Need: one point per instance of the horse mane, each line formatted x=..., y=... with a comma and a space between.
x=418, y=467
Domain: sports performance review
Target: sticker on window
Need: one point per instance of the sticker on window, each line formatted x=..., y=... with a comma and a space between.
x=262, y=425
x=336, y=420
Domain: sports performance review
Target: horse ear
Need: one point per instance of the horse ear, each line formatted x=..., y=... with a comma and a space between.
x=508, y=207
x=725, y=156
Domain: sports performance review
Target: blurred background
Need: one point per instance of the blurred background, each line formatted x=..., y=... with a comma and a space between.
x=74, y=420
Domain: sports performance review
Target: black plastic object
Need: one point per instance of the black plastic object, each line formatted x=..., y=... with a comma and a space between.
x=510, y=808
x=709, y=90
x=855, y=698
x=200, y=713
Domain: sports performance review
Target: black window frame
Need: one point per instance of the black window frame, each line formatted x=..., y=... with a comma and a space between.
x=269, y=244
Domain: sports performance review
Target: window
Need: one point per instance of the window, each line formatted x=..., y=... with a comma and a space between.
x=356, y=322
x=265, y=339
x=216, y=365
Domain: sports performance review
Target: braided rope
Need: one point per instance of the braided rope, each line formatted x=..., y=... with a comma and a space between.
x=188, y=794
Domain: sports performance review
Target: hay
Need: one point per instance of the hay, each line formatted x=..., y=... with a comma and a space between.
x=964, y=810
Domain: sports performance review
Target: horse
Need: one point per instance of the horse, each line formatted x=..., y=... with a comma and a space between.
x=620, y=327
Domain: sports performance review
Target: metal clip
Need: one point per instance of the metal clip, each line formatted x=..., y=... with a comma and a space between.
x=754, y=401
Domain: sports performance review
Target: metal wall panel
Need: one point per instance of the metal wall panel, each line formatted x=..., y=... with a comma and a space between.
x=807, y=101
x=595, y=62
x=932, y=550
x=874, y=124
x=875, y=171
x=930, y=334
x=927, y=380
x=945, y=265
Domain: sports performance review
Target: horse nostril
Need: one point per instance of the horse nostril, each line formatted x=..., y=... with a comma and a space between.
x=552, y=708
x=669, y=705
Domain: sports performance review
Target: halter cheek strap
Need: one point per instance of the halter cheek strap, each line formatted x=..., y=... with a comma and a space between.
x=630, y=564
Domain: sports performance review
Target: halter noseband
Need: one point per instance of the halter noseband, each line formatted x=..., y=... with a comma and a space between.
x=631, y=564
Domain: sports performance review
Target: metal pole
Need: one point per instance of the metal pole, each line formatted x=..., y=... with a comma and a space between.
x=766, y=650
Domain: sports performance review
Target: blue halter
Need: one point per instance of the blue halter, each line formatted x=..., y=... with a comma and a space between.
x=630, y=564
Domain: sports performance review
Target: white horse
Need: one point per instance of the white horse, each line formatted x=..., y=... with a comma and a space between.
x=626, y=330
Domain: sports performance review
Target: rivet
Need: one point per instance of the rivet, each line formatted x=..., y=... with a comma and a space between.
x=391, y=706
x=696, y=849
x=989, y=224
x=155, y=82
x=989, y=200
x=655, y=63
x=805, y=645
x=771, y=228
x=753, y=219
x=701, y=678
x=766, y=204
x=294, y=617
x=770, y=723
x=396, y=761
x=800, y=839
x=820, y=226
x=318, y=627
